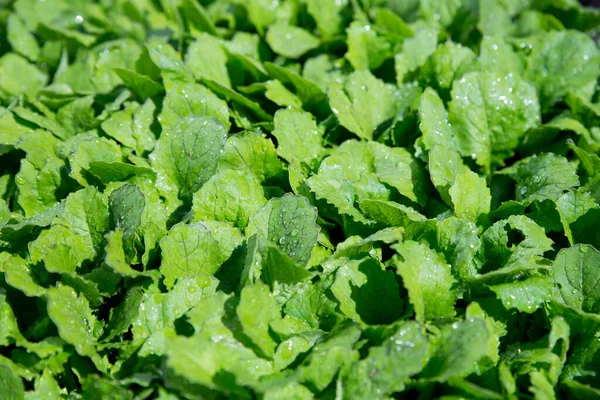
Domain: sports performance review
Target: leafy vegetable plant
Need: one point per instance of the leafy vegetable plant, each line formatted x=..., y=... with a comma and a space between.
x=297, y=199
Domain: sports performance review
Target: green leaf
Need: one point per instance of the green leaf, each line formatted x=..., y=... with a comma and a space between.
x=119, y=54
x=445, y=164
x=499, y=250
x=165, y=59
x=131, y=127
x=366, y=292
x=577, y=277
x=561, y=61
x=457, y=239
x=229, y=195
x=126, y=208
x=290, y=391
x=78, y=116
x=47, y=387
x=448, y=62
x=257, y=309
x=392, y=20
x=328, y=15
x=265, y=261
x=207, y=59
x=428, y=280
x=584, y=109
x=497, y=16
x=390, y=213
x=329, y=356
x=117, y=255
x=310, y=302
x=489, y=113
x=17, y=230
x=18, y=76
x=160, y=310
x=252, y=153
x=12, y=386
x=498, y=55
x=434, y=121
x=415, y=52
x=460, y=346
x=546, y=176
x=298, y=136
x=321, y=71
x=143, y=86
x=187, y=155
x=20, y=39
x=389, y=366
x=341, y=181
x=75, y=323
x=581, y=390
x=526, y=295
x=398, y=168
x=280, y=95
x=470, y=196
x=190, y=250
x=198, y=16
x=4, y=214
x=448, y=13
x=290, y=223
x=363, y=102
x=245, y=44
x=38, y=183
x=80, y=227
x=354, y=246
x=366, y=49
x=496, y=328
x=95, y=387
x=312, y=97
x=19, y=275
x=10, y=130
x=571, y=206
x=261, y=13
x=186, y=100
x=237, y=99
x=115, y=171
x=88, y=150
x=57, y=33
x=214, y=350
x=290, y=41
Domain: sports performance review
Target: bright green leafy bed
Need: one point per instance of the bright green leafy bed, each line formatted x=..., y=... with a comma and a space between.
x=338, y=199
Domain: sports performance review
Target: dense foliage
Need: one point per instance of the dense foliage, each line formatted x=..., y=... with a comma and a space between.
x=338, y=199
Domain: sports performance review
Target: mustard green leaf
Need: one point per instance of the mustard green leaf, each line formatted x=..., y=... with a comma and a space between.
x=428, y=279
x=187, y=155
